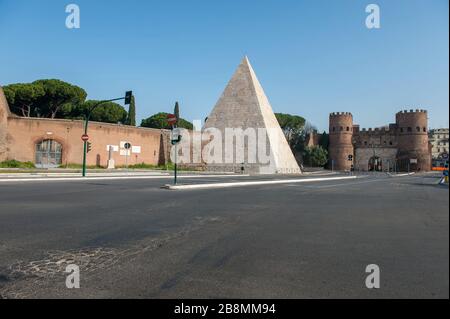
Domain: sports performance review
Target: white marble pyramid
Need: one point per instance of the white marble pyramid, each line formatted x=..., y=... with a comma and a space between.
x=244, y=105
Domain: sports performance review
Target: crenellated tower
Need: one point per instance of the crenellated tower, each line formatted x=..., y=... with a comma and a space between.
x=413, y=148
x=341, y=140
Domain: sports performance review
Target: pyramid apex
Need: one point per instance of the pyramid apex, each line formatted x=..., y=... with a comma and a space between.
x=245, y=60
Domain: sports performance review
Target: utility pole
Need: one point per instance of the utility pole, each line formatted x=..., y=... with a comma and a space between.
x=87, y=117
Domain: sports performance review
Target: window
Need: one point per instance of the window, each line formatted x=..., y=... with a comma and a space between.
x=401, y=129
x=365, y=142
x=390, y=142
x=425, y=129
x=348, y=129
x=409, y=129
x=418, y=129
x=342, y=128
x=334, y=129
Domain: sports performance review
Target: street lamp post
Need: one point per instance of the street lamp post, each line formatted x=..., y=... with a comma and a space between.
x=87, y=117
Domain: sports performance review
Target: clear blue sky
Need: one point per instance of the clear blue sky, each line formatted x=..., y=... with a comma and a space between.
x=312, y=56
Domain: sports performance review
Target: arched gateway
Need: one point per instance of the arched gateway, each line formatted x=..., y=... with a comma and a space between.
x=48, y=154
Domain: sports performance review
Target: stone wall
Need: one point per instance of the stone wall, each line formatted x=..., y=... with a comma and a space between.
x=4, y=113
x=386, y=154
x=25, y=133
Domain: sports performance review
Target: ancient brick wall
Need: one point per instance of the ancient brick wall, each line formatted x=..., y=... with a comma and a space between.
x=150, y=145
x=4, y=113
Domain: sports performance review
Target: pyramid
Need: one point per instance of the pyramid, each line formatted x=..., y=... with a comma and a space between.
x=244, y=105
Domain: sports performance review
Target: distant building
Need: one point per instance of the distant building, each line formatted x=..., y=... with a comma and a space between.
x=439, y=142
x=401, y=146
x=313, y=139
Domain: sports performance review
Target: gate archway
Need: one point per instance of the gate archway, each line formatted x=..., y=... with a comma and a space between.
x=375, y=164
x=48, y=154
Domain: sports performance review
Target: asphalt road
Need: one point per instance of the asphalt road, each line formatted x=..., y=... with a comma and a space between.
x=132, y=239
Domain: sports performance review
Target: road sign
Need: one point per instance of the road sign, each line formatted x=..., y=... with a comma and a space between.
x=127, y=146
x=171, y=119
x=85, y=137
x=413, y=160
x=175, y=136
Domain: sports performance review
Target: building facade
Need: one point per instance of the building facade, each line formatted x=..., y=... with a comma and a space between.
x=401, y=146
x=52, y=143
x=439, y=142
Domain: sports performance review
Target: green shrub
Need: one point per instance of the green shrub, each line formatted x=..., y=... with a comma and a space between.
x=16, y=164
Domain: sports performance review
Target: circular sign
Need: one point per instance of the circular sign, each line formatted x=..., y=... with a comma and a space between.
x=85, y=137
x=127, y=146
x=171, y=118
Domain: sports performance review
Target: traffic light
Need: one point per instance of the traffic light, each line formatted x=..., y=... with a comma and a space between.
x=89, y=147
x=350, y=157
x=128, y=96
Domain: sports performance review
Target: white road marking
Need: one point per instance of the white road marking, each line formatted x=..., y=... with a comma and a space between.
x=256, y=183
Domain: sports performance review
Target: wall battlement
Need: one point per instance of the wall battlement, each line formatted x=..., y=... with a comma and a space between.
x=339, y=114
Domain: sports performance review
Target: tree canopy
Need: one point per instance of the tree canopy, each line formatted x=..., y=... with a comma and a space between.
x=159, y=120
x=43, y=98
x=22, y=98
x=57, y=95
x=315, y=156
x=131, y=118
x=109, y=112
x=176, y=111
x=290, y=124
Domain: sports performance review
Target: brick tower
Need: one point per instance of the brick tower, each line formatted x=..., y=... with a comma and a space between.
x=341, y=135
x=413, y=149
x=4, y=113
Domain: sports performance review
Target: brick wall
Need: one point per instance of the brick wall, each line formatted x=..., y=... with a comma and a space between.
x=24, y=133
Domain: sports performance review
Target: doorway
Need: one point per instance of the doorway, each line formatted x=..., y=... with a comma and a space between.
x=48, y=154
x=375, y=164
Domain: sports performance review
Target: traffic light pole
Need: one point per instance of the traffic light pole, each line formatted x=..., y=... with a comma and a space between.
x=86, y=124
x=176, y=160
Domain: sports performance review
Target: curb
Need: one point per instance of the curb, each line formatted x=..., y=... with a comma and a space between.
x=130, y=177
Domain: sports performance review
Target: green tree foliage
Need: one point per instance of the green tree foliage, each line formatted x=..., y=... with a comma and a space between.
x=324, y=140
x=176, y=111
x=22, y=98
x=315, y=156
x=109, y=112
x=43, y=98
x=57, y=95
x=131, y=119
x=159, y=120
x=292, y=125
x=294, y=128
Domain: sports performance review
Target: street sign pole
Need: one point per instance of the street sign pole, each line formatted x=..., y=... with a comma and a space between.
x=172, y=120
x=85, y=146
x=175, y=173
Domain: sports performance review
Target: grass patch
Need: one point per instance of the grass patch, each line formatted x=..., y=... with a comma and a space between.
x=16, y=164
